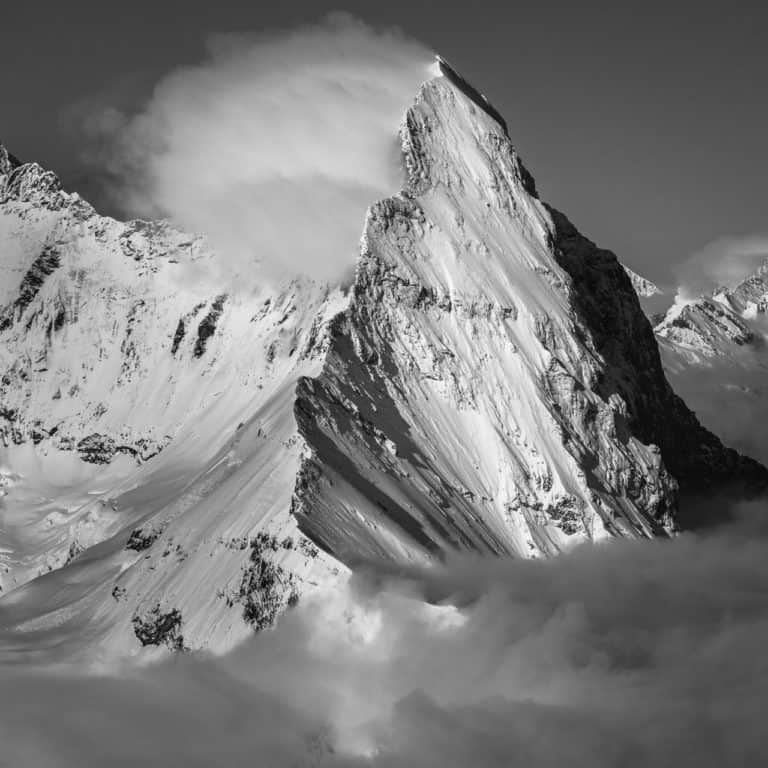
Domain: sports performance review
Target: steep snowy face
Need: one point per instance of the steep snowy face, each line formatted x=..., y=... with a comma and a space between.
x=146, y=410
x=457, y=406
x=644, y=288
x=181, y=463
x=493, y=363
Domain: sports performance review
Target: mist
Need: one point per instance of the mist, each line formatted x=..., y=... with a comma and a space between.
x=273, y=147
x=630, y=653
x=729, y=394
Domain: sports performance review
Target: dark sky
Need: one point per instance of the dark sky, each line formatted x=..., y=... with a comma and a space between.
x=645, y=122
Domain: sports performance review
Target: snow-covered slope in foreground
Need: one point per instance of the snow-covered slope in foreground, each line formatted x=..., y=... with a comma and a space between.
x=182, y=460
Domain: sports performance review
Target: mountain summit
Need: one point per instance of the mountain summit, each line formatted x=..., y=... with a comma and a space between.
x=181, y=462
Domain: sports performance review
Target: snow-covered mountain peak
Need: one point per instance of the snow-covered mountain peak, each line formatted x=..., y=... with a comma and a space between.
x=704, y=328
x=191, y=461
x=750, y=296
x=479, y=99
x=643, y=287
x=717, y=324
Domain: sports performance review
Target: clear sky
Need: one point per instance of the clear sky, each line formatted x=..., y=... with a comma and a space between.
x=645, y=122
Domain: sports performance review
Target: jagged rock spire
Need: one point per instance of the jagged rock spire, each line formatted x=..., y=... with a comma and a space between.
x=7, y=161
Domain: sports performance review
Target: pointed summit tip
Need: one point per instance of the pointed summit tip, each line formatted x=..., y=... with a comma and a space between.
x=447, y=71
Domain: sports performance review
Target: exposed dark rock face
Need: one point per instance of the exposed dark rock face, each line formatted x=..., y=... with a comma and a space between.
x=8, y=162
x=101, y=449
x=43, y=266
x=145, y=449
x=265, y=588
x=119, y=593
x=207, y=326
x=609, y=314
x=97, y=449
x=142, y=538
x=159, y=627
x=178, y=336
x=31, y=182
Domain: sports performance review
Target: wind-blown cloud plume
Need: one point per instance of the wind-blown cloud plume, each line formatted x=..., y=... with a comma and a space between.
x=721, y=263
x=274, y=146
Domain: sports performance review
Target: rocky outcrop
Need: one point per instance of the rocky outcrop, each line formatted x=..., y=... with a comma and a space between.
x=266, y=588
x=207, y=326
x=8, y=162
x=143, y=538
x=159, y=627
x=42, y=267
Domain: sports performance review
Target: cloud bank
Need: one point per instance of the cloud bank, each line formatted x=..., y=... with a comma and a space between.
x=627, y=654
x=273, y=147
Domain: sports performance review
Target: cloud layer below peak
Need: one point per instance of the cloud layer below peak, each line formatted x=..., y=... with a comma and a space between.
x=621, y=654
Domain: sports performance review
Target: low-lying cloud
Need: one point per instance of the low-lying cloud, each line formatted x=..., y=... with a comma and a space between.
x=273, y=147
x=624, y=654
x=730, y=394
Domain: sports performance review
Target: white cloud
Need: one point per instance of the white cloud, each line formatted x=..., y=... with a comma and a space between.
x=273, y=147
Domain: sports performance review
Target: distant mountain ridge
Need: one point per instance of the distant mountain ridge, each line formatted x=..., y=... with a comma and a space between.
x=643, y=287
x=710, y=324
x=715, y=351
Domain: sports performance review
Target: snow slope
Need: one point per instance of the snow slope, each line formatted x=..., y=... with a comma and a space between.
x=644, y=288
x=181, y=461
